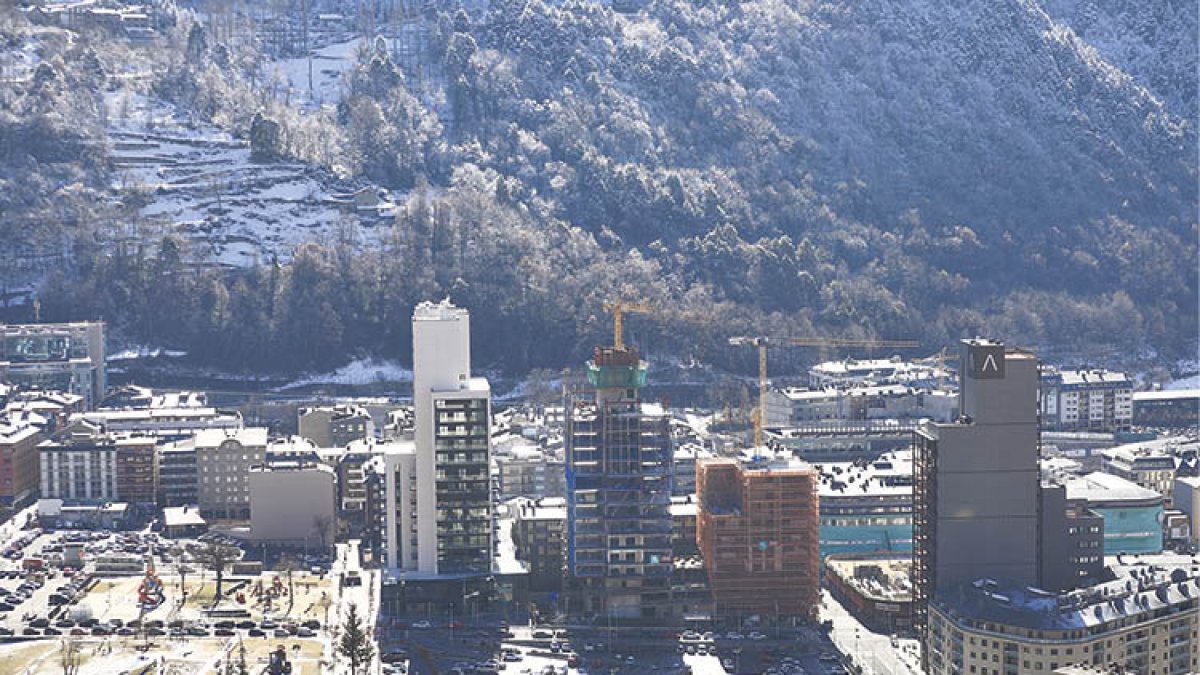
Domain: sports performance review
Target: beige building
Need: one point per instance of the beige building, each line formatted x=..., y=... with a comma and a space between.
x=223, y=461
x=1145, y=621
x=293, y=503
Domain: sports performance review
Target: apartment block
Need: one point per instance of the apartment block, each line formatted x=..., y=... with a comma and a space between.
x=1085, y=400
x=223, y=462
x=55, y=356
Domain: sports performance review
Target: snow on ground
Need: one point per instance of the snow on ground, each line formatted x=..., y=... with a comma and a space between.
x=144, y=352
x=328, y=65
x=202, y=184
x=1192, y=382
x=361, y=371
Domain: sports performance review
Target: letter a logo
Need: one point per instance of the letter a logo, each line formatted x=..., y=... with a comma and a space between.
x=989, y=363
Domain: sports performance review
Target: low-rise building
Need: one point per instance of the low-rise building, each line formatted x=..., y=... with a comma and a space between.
x=529, y=471
x=797, y=407
x=683, y=526
x=20, y=434
x=1085, y=400
x=1132, y=514
x=867, y=506
x=684, y=467
x=877, y=589
x=538, y=527
x=1150, y=464
x=895, y=370
x=1186, y=498
x=335, y=426
x=293, y=504
x=1145, y=620
x=1179, y=408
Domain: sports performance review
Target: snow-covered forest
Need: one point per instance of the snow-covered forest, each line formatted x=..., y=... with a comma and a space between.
x=1021, y=168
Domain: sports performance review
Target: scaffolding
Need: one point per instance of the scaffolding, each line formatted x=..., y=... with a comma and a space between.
x=619, y=476
x=758, y=529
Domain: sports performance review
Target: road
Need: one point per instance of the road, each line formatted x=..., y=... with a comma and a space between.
x=364, y=597
x=872, y=651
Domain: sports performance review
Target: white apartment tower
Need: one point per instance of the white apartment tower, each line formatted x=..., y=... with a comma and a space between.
x=453, y=446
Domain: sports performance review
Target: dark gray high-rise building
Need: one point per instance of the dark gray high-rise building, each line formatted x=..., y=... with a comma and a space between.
x=976, y=500
x=982, y=520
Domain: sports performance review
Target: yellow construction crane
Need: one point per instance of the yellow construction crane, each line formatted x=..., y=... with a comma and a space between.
x=619, y=309
x=762, y=342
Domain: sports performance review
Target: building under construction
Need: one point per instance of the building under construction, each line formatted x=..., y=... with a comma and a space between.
x=758, y=529
x=618, y=469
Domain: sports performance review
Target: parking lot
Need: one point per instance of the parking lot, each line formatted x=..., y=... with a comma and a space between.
x=84, y=586
x=523, y=650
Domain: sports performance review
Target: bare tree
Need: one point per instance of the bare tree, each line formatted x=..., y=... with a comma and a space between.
x=69, y=656
x=216, y=556
x=322, y=525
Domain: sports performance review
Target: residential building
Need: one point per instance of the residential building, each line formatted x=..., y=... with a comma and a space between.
x=793, y=406
x=62, y=356
x=867, y=506
x=1145, y=621
x=1085, y=400
x=335, y=426
x=351, y=479
x=169, y=414
x=539, y=527
x=684, y=511
x=20, y=434
x=1150, y=464
x=79, y=465
x=452, y=413
x=528, y=471
x=1187, y=499
x=618, y=456
x=390, y=507
x=178, y=481
x=757, y=529
x=1133, y=515
x=1178, y=408
x=684, y=468
x=851, y=372
x=223, y=461
x=292, y=503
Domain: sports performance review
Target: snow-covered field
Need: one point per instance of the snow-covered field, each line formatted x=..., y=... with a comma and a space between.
x=361, y=371
x=203, y=184
x=328, y=65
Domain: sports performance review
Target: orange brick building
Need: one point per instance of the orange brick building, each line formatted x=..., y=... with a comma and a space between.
x=758, y=530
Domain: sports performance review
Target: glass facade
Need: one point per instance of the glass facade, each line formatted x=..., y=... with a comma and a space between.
x=464, y=518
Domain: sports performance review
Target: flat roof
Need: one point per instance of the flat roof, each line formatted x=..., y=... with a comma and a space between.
x=1106, y=487
x=182, y=516
x=1166, y=395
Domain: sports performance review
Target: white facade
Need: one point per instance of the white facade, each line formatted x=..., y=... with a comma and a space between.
x=86, y=474
x=453, y=445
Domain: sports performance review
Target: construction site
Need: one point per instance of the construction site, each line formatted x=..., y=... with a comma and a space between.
x=758, y=530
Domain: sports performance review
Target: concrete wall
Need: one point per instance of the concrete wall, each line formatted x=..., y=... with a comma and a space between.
x=286, y=504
